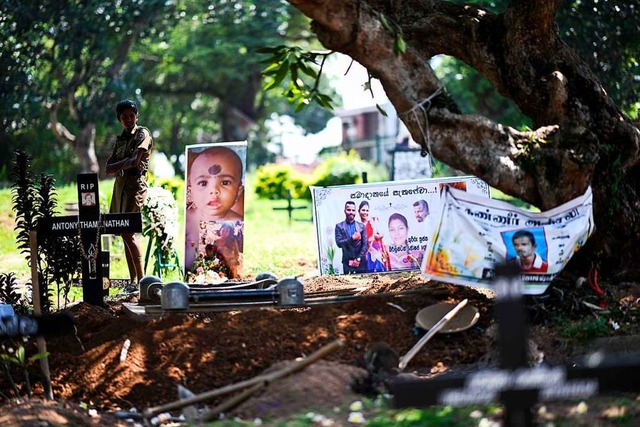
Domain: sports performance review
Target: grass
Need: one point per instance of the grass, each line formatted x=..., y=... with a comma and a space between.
x=272, y=243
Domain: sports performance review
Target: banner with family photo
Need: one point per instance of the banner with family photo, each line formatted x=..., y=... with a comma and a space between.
x=383, y=226
x=214, y=211
x=476, y=233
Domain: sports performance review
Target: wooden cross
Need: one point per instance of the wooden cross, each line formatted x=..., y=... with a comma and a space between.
x=90, y=224
x=516, y=385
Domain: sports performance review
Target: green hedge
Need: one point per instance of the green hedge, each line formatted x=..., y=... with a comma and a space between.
x=273, y=180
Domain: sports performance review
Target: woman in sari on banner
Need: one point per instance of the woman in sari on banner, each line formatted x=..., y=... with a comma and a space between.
x=400, y=255
x=377, y=254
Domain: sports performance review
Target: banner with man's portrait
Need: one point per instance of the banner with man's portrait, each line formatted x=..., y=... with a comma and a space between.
x=474, y=234
x=383, y=226
x=214, y=211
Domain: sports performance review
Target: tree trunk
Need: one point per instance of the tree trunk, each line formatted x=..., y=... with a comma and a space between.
x=235, y=124
x=582, y=138
x=85, y=148
x=238, y=114
x=84, y=144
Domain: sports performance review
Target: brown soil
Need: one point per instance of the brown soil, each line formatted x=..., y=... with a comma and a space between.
x=207, y=351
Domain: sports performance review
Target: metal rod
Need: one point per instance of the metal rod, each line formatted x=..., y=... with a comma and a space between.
x=238, y=294
x=407, y=357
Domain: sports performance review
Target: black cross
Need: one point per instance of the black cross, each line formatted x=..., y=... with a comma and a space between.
x=289, y=207
x=91, y=224
x=516, y=385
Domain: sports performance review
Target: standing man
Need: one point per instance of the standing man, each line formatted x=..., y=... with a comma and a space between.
x=349, y=237
x=129, y=162
x=524, y=243
x=421, y=210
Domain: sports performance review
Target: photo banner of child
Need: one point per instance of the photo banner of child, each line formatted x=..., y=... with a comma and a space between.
x=474, y=234
x=214, y=211
x=379, y=227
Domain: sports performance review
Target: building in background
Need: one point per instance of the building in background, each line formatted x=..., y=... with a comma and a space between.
x=383, y=140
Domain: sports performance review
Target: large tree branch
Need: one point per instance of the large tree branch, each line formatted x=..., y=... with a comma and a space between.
x=60, y=132
x=545, y=78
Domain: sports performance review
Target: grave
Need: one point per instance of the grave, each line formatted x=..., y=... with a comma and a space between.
x=517, y=386
x=90, y=225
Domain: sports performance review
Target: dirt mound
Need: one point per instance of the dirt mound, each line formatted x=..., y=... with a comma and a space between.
x=207, y=351
x=38, y=413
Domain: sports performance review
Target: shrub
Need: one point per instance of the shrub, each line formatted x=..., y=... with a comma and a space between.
x=273, y=181
x=345, y=168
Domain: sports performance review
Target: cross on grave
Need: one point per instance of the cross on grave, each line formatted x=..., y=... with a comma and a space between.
x=90, y=224
x=514, y=384
x=289, y=207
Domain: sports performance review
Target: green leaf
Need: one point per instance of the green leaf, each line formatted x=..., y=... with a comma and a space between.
x=38, y=356
x=385, y=23
x=271, y=69
x=294, y=74
x=309, y=71
x=384, y=113
x=20, y=354
x=303, y=102
x=281, y=74
x=10, y=359
x=400, y=46
x=324, y=100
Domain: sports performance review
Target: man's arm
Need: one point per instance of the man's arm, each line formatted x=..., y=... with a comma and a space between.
x=144, y=141
x=341, y=236
x=124, y=164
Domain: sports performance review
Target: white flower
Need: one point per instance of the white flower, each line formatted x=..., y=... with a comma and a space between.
x=160, y=213
x=582, y=408
x=356, y=418
x=485, y=422
x=615, y=325
x=356, y=406
x=476, y=414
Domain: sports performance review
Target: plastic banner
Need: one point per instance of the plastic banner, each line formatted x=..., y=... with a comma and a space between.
x=475, y=233
x=378, y=227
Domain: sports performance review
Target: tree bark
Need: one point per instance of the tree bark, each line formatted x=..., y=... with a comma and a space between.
x=238, y=113
x=581, y=137
x=85, y=148
x=83, y=144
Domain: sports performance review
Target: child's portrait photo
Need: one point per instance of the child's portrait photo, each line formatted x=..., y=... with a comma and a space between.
x=214, y=194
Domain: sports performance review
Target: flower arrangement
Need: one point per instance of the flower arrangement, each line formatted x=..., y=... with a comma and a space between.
x=160, y=221
x=209, y=267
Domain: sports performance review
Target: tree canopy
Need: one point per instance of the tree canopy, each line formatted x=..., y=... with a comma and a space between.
x=580, y=136
x=65, y=62
x=190, y=64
